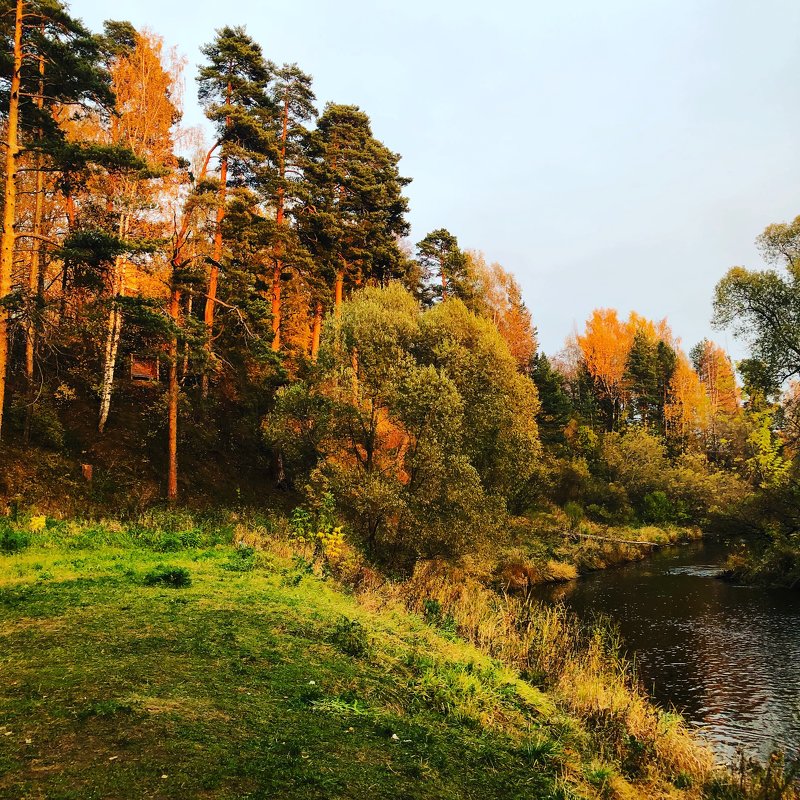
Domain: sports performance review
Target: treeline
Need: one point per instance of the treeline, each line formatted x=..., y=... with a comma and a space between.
x=131, y=247
x=253, y=303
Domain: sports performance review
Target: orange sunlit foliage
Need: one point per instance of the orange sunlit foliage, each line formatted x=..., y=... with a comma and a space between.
x=716, y=372
x=501, y=295
x=605, y=345
x=654, y=331
x=686, y=414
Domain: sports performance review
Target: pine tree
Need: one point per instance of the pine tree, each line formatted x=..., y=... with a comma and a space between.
x=233, y=91
x=356, y=210
x=53, y=64
x=292, y=96
x=444, y=268
x=556, y=408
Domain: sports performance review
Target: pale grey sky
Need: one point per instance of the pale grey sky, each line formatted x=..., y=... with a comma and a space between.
x=619, y=153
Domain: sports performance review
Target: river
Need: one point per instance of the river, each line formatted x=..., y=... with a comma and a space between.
x=727, y=657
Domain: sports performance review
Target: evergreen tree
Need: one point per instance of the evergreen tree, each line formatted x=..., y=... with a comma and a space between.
x=233, y=91
x=50, y=62
x=356, y=211
x=444, y=268
x=293, y=97
x=648, y=372
x=556, y=407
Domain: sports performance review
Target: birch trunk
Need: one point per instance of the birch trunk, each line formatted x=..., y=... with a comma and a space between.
x=113, y=332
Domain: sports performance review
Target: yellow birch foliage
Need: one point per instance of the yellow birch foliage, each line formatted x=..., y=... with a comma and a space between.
x=716, y=373
x=605, y=345
x=687, y=411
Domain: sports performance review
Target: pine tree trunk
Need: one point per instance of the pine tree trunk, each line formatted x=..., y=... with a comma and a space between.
x=277, y=270
x=279, y=220
x=10, y=203
x=338, y=293
x=33, y=275
x=185, y=368
x=216, y=257
x=172, y=479
x=316, y=331
x=35, y=282
x=216, y=254
x=34, y=291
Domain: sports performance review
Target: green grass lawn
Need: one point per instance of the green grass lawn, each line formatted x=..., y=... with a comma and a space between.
x=257, y=680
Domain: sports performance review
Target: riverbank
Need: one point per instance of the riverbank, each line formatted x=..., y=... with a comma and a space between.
x=177, y=656
x=727, y=656
x=773, y=563
x=547, y=548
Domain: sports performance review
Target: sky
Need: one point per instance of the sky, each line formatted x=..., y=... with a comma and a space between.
x=619, y=153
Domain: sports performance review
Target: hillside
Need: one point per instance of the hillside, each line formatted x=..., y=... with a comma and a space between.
x=263, y=678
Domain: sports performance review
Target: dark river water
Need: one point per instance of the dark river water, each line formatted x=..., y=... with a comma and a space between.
x=727, y=657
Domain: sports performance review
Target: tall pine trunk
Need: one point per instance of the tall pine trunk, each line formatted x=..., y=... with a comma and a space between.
x=279, y=219
x=10, y=203
x=35, y=277
x=316, y=330
x=338, y=292
x=216, y=253
x=173, y=389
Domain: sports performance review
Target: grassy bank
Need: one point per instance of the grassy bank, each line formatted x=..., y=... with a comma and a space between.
x=772, y=563
x=171, y=658
x=549, y=547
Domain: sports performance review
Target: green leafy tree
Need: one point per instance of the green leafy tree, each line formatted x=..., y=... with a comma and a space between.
x=763, y=307
x=500, y=404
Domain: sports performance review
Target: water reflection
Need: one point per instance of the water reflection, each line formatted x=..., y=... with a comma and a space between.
x=727, y=657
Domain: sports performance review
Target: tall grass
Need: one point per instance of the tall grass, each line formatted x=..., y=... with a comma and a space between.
x=582, y=663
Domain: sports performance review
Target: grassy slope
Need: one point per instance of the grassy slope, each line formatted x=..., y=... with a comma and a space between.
x=261, y=683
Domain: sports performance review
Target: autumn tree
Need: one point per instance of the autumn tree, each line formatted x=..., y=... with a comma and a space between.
x=686, y=413
x=51, y=61
x=605, y=345
x=495, y=294
x=145, y=85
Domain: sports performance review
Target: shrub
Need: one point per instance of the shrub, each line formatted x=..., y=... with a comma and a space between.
x=164, y=575
x=242, y=560
x=658, y=509
x=12, y=541
x=574, y=512
x=350, y=636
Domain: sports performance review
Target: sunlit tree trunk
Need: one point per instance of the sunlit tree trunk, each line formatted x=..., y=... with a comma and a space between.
x=316, y=331
x=10, y=202
x=338, y=292
x=280, y=220
x=172, y=479
x=113, y=332
x=216, y=253
x=35, y=282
